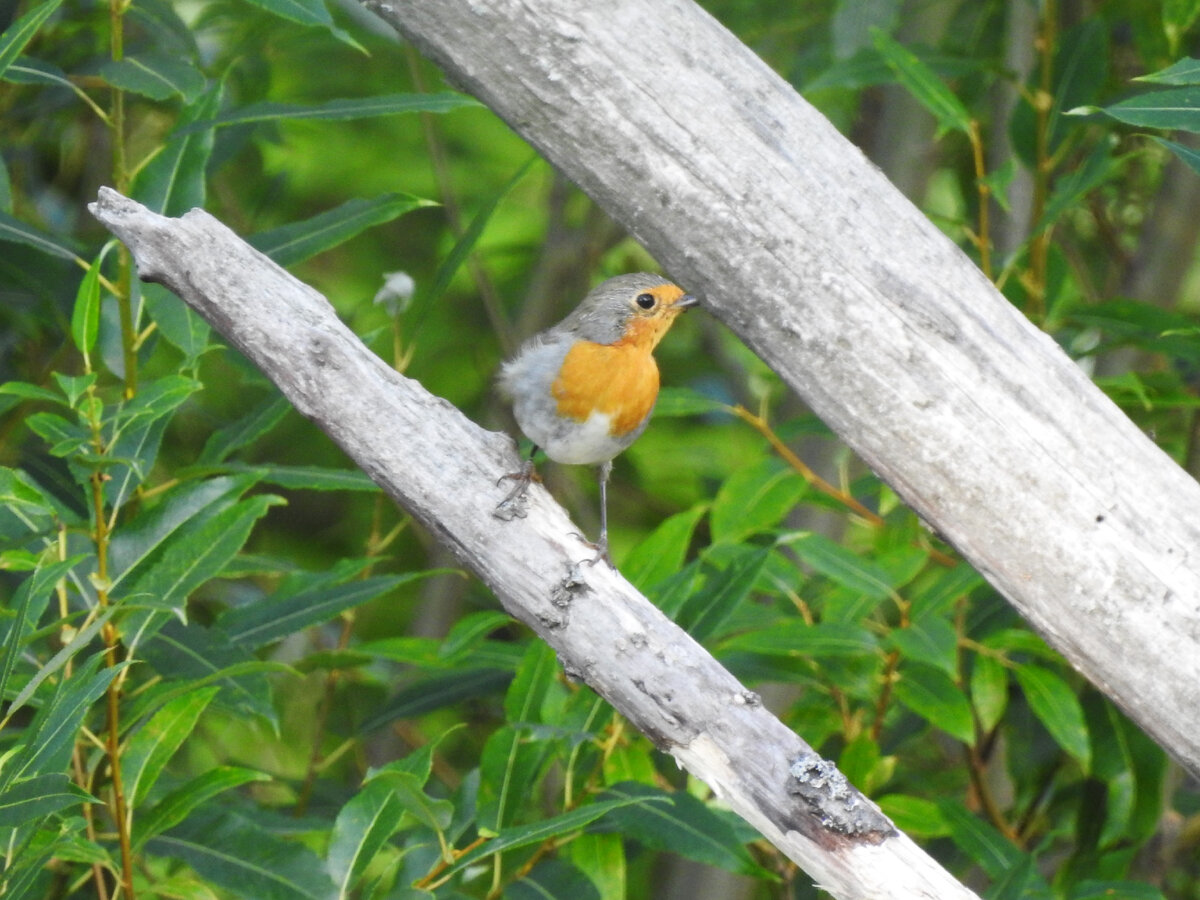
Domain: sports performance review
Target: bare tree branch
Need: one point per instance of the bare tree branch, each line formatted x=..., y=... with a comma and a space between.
x=444, y=470
x=754, y=201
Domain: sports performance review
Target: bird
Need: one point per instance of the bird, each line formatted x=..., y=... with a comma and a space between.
x=583, y=390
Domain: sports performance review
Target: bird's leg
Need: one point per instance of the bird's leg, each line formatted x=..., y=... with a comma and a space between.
x=515, y=502
x=602, y=544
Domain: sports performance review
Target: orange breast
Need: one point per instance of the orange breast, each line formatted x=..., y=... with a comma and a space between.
x=620, y=380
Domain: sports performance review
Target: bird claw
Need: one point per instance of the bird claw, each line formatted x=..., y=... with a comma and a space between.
x=601, y=549
x=515, y=504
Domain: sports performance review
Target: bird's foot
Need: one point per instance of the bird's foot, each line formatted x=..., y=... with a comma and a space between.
x=601, y=548
x=516, y=503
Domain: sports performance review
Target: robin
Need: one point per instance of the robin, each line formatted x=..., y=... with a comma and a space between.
x=584, y=389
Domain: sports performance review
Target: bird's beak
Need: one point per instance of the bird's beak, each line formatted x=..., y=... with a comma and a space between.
x=687, y=301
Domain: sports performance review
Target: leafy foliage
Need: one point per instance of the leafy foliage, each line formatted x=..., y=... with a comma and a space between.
x=229, y=669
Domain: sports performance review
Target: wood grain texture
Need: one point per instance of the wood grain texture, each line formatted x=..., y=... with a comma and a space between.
x=444, y=469
x=751, y=199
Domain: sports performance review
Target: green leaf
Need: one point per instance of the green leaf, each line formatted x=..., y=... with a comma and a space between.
x=1168, y=109
x=1107, y=890
x=256, y=624
x=406, y=788
x=343, y=109
x=174, y=520
x=362, y=828
x=34, y=798
x=839, y=564
x=1189, y=156
x=26, y=606
x=18, y=35
x=184, y=566
x=1058, y=709
x=137, y=431
x=915, y=816
x=27, y=391
x=524, y=835
x=989, y=690
x=662, y=552
x=753, y=499
x=509, y=766
x=173, y=182
x=552, y=878
x=245, y=431
x=49, y=738
x=799, y=639
x=299, y=241
x=930, y=641
x=678, y=823
x=154, y=75
x=931, y=694
x=153, y=745
x=85, y=320
x=309, y=478
x=1097, y=170
x=13, y=230
x=676, y=402
x=462, y=248
x=925, y=86
x=177, y=805
x=437, y=691
x=708, y=609
x=982, y=843
x=240, y=856
x=1185, y=71
x=177, y=322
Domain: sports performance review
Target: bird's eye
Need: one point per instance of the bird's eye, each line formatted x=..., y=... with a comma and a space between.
x=645, y=301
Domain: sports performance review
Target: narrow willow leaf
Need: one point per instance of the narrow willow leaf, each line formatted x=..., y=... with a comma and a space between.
x=674, y=402
x=509, y=766
x=708, y=609
x=175, y=181
x=245, y=859
x=754, y=499
x=524, y=835
x=1185, y=71
x=31, y=799
x=989, y=690
x=154, y=743
x=343, y=109
x=662, y=552
x=602, y=858
x=177, y=515
x=678, y=823
x=930, y=641
x=245, y=431
x=85, y=319
x=15, y=231
x=299, y=241
x=1189, y=156
x=438, y=691
x=155, y=75
x=991, y=850
x=839, y=564
x=18, y=35
x=26, y=606
x=177, y=805
x=309, y=478
x=924, y=85
x=552, y=878
x=931, y=694
x=461, y=250
x=183, y=567
x=799, y=639
x=1058, y=709
x=363, y=826
x=1168, y=109
x=256, y=624
x=915, y=816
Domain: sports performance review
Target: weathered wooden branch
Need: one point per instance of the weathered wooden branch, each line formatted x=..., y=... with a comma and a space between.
x=445, y=470
x=750, y=198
